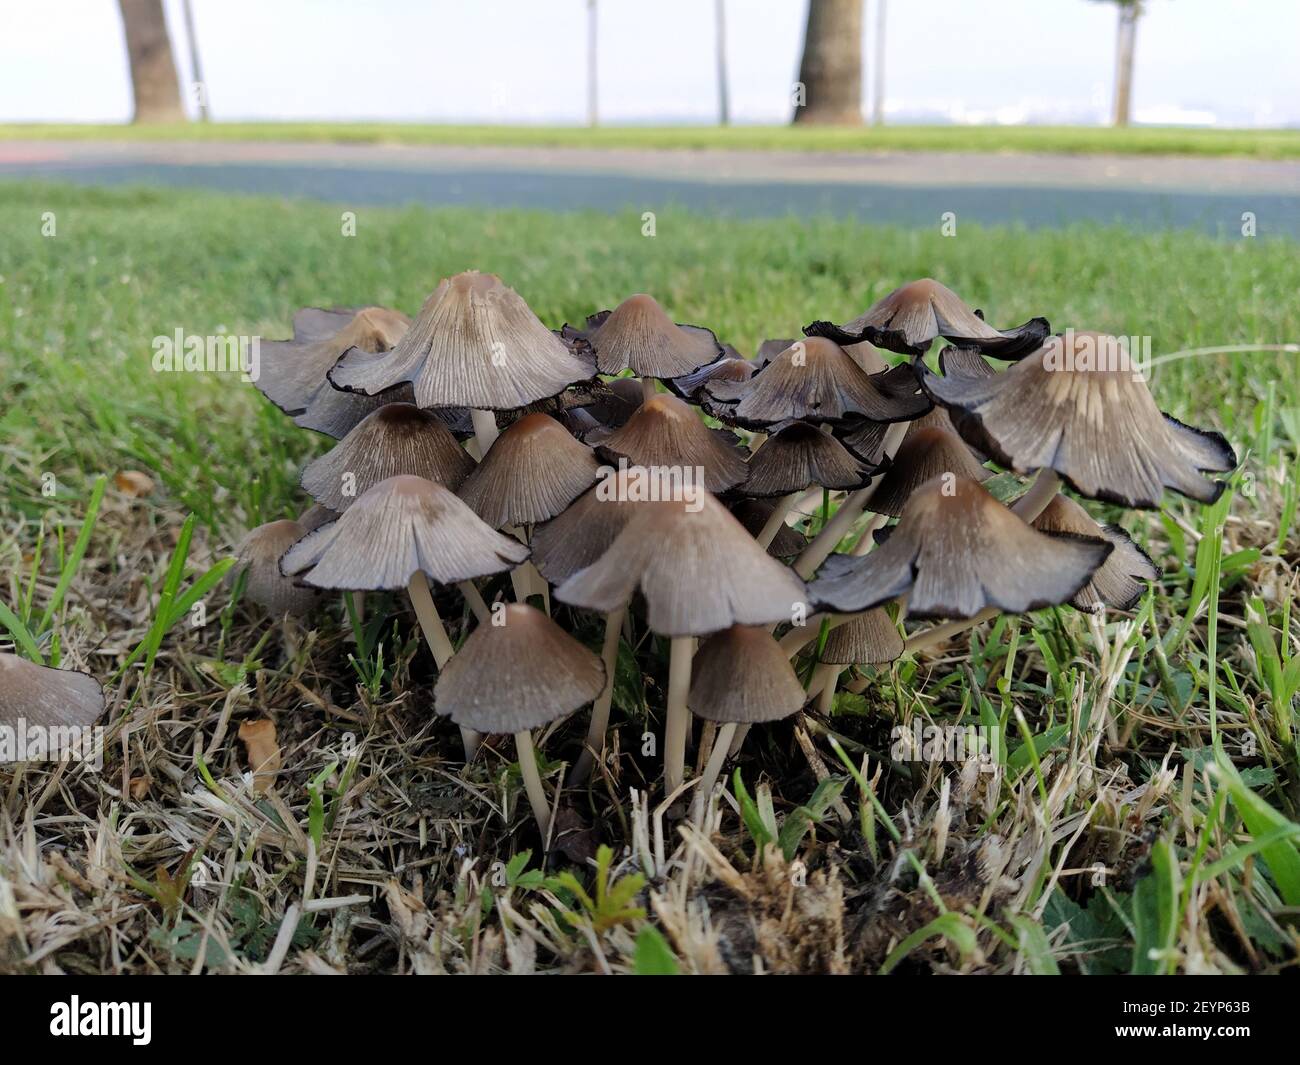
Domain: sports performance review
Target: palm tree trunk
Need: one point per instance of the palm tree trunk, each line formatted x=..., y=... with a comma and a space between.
x=153, y=71
x=830, y=73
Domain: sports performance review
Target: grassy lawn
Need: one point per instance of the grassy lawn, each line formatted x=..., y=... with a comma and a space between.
x=1072, y=140
x=1086, y=863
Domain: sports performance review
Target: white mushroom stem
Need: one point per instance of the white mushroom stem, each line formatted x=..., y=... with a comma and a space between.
x=712, y=770
x=1030, y=505
x=533, y=781
x=520, y=579
x=867, y=541
x=829, y=679
x=595, y=743
x=485, y=430
x=435, y=634
x=850, y=510
x=777, y=518
x=475, y=600
x=678, y=721
x=648, y=390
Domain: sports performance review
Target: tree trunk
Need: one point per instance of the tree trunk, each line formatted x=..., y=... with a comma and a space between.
x=153, y=71
x=878, y=97
x=1126, y=39
x=830, y=73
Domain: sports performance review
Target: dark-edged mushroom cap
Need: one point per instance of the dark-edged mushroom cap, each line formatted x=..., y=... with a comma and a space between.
x=49, y=698
x=517, y=673
x=910, y=317
x=753, y=515
x=574, y=539
x=531, y=473
x=1074, y=407
x=871, y=638
x=697, y=567
x=397, y=438
x=476, y=344
x=922, y=456
x=259, y=555
x=964, y=362
x=728, y=368
x=401, y=526
x=814, y=379
x=638, y=335
x=668, y=433
x=800, y=456
x=957, y=551
x=1122, y=578
x=315, y=516
x=742, y=676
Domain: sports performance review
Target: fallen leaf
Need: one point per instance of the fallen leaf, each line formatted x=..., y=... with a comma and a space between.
x=139, y=787
x=133, y=483
x=258, y=738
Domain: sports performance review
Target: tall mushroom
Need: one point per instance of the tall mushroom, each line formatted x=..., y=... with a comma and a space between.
x=517, y=673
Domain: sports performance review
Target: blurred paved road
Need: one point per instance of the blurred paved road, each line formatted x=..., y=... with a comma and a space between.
x=911, y=189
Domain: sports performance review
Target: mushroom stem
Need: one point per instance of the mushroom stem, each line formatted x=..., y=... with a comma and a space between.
x=485, y=430
x=850, y=510
x=830, y=679
x=867, y=541
x=520, y=579
x=1046, y=484
x=648, y=390
x=738, y=740
x=595, y=742
x=435, y=635
x=475, y=600
x=678, y=721
x=779, y=513
x=721, y=752
x=533, y=781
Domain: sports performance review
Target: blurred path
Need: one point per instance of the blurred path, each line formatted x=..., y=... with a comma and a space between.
x=896, y=187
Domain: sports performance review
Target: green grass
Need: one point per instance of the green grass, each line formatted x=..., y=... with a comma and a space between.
x=1072, y=140
x=1200, y=871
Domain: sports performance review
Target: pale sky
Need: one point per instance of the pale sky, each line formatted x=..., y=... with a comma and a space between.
x=1225, y=62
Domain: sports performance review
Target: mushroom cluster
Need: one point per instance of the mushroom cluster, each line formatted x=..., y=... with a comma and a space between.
x=646, y=473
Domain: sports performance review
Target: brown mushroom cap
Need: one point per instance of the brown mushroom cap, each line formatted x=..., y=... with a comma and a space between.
x=753, y=515
x=638, y=335
x=48, y=698
x=517, y=675
x=259, y=555
x=1094, y=423
x=574, y=539
x=728, y=368
x=531, y=473
x=666, y=432
x=397, y=438
x=1122, y=578
x=742, y=676
x=698, y=568
x=799, y=456
x=923, y=455
x=816, y=379
x=871, y=638
x=402, y=526
x=956, y=551
x=910, y=317
x=963, y=362
x=315, y=516
x=474, y=344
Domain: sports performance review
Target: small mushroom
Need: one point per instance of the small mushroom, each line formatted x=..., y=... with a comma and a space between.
x=871, y=638
x=754, y=514
x=910, y=317
x=398, y=438
x=259, y=555
x=515, y=674
x=36, y=695
x=1122, y=578
x=923, y=455
x=1075, y=409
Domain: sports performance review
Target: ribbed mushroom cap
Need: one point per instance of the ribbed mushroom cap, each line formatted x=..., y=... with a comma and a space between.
x=742, y=676
x=815, y=379
x=1122, y=578
x=638, y=335
x=399, y=527
x=259, y=555
x=955, y=551
x=964, y=362
x=474, y=344
x=922, y=456
x=574, y=539
x=698, y=569
x=910, y=317
x=801, y=455
x=667, y=432
x=48, y=698
x=397, y=438
x=533, y=471
x=728, y=368
x=753, y=515
x=870, y=638
x=1098, y=428
x=315, y=516
x=293, y=371
x=518, y=675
